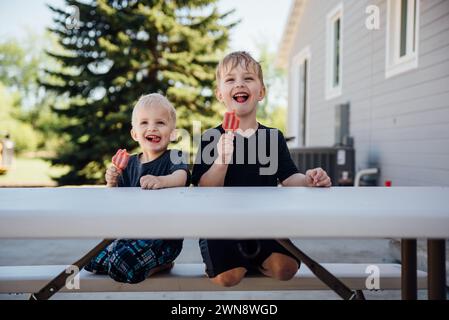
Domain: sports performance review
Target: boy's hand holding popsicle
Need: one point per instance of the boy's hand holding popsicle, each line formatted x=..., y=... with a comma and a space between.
x=119, y=163
x=226, y=143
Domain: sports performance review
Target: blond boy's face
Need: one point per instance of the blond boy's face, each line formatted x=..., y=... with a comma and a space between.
x=240, y=89
x=152, y=128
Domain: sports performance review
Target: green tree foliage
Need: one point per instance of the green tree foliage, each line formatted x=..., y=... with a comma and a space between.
x=120, y=50
x=18, y=74
x=18, y=67
x=22, y=133
x=26, y=112
x=272, y=110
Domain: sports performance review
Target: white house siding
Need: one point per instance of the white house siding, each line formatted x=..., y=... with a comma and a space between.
x=400, y=124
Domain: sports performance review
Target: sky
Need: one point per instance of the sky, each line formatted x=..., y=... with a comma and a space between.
x=261, y=20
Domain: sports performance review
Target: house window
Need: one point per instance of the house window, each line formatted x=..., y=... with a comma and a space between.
x=300, y=112
x=334, y=31
x=402, y=36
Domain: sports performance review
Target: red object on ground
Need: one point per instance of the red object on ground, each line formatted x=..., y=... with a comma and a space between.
x=388, y=183
x=121, y=158
x=230, y=122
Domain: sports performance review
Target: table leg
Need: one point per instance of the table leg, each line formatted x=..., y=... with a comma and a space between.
x=436, y=269
x=59, y=281
x=408, y=270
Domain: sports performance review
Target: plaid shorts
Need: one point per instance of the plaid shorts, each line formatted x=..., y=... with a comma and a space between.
x=130, y=261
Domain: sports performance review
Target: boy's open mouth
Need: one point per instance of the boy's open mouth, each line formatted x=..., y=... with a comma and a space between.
x=153, y=138
x=240, y=97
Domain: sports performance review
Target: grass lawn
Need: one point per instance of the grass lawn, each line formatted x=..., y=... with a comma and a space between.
x=30, y=172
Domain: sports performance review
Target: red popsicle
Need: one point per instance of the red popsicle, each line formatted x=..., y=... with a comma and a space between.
x=230, y=122
x=120, y=159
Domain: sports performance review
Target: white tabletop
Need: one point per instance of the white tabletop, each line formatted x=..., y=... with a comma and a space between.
x=265, y=212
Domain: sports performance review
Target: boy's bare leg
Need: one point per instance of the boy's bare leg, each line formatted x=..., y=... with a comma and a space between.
x=279, y=266
x=230, y=278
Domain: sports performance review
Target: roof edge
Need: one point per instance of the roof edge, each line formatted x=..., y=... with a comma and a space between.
x=290, y=30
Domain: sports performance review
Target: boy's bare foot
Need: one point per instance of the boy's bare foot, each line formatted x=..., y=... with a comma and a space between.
x=160, y=268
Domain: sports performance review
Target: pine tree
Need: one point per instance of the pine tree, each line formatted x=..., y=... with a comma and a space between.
x=119, y=50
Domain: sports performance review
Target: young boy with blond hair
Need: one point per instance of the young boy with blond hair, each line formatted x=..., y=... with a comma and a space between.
x=155, y=167
x=239, y=159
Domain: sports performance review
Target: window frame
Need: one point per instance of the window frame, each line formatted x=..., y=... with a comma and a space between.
x=298, y=61
x=395, y=62
x=332, y=90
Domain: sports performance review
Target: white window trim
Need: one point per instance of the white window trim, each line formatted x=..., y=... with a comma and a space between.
x=331, y=91
x=298, y=60
x=395, y=65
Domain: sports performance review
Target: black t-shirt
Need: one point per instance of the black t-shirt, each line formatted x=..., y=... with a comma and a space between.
x=262, y=159
x=169, y=162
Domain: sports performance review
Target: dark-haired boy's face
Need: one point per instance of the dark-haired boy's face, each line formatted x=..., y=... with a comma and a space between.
x=240, y=89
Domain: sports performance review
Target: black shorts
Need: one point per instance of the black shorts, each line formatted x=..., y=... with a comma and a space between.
x=223, y=255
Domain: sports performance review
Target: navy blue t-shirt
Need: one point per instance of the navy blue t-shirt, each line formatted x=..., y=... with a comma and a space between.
x=169, y=162
x=263, y=159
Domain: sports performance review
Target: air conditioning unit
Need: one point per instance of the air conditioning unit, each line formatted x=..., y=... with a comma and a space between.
x=338, y=162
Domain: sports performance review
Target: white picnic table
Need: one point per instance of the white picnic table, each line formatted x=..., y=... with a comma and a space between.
x=233, y=212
